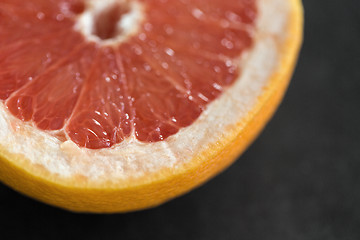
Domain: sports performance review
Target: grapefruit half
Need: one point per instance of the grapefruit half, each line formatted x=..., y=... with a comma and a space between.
x=121, y=105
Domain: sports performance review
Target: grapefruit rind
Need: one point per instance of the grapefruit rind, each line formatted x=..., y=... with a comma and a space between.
x=83, y=181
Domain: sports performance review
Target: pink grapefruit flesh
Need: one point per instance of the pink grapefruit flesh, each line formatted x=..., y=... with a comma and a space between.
x=151, y=84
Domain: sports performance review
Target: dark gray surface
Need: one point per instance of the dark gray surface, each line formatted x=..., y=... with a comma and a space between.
x=299, y=180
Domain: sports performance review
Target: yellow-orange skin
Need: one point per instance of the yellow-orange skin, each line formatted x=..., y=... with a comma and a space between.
x=76, y=194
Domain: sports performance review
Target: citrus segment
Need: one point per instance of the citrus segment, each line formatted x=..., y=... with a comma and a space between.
x=102, y=116
x=49, y=99
x=27, y=59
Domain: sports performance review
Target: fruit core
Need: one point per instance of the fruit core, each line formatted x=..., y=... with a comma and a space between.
x=109, y=21
x=101, y=71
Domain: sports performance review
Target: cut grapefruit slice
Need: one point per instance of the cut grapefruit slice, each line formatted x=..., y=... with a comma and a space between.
x=119, y=105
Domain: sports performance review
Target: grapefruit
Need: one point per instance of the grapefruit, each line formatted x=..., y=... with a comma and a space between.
x=121, y=105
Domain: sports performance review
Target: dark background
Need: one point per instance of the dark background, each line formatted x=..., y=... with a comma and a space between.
x=299, y=180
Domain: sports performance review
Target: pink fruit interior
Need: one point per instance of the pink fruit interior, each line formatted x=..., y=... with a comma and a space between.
x=153, y=84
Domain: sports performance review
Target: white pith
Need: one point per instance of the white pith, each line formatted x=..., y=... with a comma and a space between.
x=134, y=159
x=128, y=24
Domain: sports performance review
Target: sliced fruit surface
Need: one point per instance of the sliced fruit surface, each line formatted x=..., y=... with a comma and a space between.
x=118, y=105
x=114, y=80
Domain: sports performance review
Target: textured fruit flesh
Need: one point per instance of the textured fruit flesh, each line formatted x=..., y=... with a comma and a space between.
x=152, y=84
